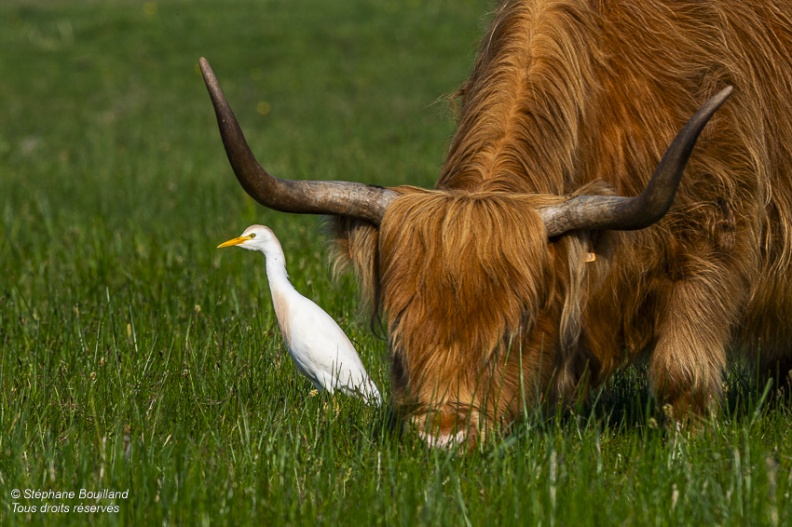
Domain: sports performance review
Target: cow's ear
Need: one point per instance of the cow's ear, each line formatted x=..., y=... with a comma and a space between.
x=599, y=246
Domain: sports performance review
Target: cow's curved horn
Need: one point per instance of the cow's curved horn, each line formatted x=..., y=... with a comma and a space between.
x=341, y=198
x=632, y=213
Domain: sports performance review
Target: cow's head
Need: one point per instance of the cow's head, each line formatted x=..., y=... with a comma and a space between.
x=481, y=290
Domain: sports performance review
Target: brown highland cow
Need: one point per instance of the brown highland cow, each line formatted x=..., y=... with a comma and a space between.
x=565, y=239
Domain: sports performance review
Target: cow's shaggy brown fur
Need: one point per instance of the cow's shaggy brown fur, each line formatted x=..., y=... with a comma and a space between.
x=485, y=314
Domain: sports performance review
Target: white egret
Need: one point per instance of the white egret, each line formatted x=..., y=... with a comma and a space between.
x=320, y=349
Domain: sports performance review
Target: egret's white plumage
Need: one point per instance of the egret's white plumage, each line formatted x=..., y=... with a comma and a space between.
x=320, y=349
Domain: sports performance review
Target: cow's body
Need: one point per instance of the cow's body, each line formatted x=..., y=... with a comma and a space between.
x=564, y=95
x=485, y=314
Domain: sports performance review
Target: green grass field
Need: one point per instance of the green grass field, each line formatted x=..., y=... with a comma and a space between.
x=137, y=356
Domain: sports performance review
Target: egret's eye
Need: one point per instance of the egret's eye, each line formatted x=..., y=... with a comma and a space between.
x=252, y=235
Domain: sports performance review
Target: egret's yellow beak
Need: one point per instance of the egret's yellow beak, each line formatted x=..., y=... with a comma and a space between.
x=235, y=241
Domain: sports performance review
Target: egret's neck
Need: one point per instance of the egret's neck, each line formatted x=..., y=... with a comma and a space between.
x=276, y=269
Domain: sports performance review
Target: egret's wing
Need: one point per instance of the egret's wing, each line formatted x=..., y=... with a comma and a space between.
x=321, y=345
